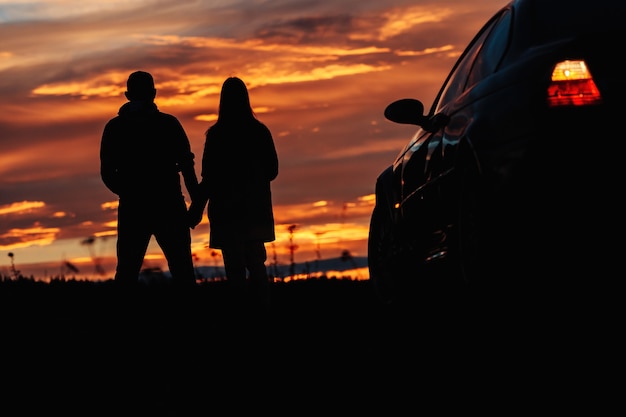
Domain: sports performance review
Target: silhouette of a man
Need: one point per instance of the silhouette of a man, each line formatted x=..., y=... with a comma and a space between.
x=142, y=153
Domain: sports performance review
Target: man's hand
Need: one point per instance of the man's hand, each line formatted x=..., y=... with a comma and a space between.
x=194, y=214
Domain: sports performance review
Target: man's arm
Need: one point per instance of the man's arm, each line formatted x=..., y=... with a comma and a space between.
x=189, y=176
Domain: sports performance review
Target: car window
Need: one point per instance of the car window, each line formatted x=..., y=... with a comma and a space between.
x=491, y=53
x=475, y=64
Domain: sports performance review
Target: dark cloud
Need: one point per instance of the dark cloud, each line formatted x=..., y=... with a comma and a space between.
x=307, y=30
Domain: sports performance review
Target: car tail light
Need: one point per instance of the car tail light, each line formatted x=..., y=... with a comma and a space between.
x=572, y=85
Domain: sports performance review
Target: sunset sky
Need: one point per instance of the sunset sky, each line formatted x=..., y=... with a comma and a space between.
x=320, y=75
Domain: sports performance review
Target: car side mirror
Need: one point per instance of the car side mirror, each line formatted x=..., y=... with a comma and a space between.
x=407, y=111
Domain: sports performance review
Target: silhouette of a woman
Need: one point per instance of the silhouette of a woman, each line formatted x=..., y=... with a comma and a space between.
x=238, y=164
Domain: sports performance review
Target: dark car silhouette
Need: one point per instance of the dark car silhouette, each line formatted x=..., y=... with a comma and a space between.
x=511, y=180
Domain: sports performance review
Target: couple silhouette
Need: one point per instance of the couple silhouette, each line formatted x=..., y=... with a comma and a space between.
x=144, y=152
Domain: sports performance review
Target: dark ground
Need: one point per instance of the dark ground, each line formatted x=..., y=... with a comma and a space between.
x=321, y=347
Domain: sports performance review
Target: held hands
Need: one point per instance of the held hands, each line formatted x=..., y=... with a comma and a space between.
x=194, y=214
x=199, y=200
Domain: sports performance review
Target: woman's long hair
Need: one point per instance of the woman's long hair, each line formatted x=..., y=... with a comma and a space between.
x=234, y=102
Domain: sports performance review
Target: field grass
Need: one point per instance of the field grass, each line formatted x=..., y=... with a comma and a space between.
x=322, y=346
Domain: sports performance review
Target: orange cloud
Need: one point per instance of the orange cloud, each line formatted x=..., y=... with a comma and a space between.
x=23, y=238
x=401, y=20
x=21, y=207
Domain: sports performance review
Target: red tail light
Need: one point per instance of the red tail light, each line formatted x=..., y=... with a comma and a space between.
x=572, y=85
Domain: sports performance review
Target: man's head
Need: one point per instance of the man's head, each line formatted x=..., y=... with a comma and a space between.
x=140, y=87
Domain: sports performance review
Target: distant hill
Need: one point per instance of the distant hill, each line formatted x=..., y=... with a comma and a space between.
x=338, y=264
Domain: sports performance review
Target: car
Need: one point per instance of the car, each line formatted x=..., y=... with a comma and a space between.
x=511, y=181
